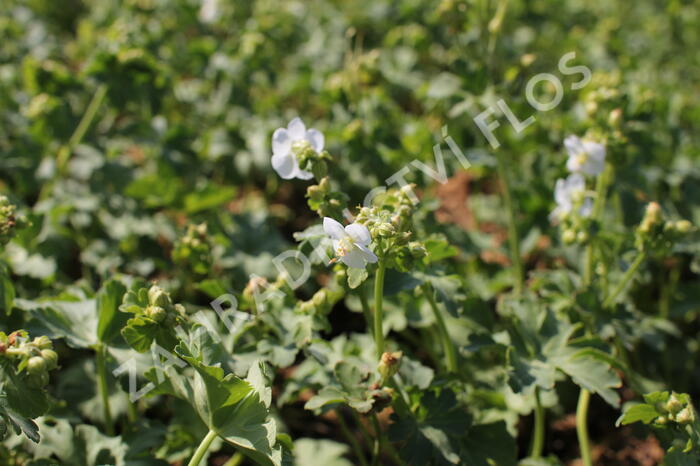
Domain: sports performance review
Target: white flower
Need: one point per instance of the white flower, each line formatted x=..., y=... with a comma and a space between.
x=209, y=11
x=350, y=243
x=568, y=194
x=283, y=160
x=584, y=156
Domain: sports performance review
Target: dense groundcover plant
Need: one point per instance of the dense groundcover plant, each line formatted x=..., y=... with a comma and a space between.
x=349, y=233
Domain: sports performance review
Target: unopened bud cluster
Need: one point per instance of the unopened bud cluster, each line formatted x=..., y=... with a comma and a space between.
x=324, y=201
x=159, y=307
x=8, y=222
x=656, y=234
x=193, y=249
x=36, y=356
x=389, y=221
x=310, y=160
x=677, y=409
x=322, y=301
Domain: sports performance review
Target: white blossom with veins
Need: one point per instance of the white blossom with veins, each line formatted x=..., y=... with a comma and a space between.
x=569, y=193
x=284, y=161
x=584, y=156
x=350, y=243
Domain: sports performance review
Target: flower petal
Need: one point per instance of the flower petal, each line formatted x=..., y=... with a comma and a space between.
x=316, y=139
x=285, y=165
x=573, y=145
x=297, y=129
x=354, y=258
x=596, y=158
x=586, y=208
x=575, y=183
x=303, y=174
x=281, y=142
x=359, y=233
x=369, y=255
x=333, y=229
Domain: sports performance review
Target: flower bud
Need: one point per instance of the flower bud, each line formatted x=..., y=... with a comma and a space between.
x=36, y=365
x=319, y=298
x=685, y=416
x=315, y=193
x=389, y=364
x=51, y=358
x=156, y=313
x=157, y=296
x=673, y=405
x=42, y=342
x=615, y=117
x=568, y=236
x=683, y=226
x=417, y=249
x=385, y=229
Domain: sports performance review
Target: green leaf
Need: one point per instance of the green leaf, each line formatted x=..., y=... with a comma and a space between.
x=430, y=435
x=641, y=412
x=356, y=277
x=18, y=422
x=109, y=322
x=231, y=406
x=319, y=451
x=76, y=321
x=7, y=291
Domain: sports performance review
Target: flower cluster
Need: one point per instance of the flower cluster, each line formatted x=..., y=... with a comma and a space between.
x=389, y=221
x=35, y=356
x=325, y=201
x=154, y=304
x=574, y=204
x=657, y=235
x=8, y=221
x=193, y=249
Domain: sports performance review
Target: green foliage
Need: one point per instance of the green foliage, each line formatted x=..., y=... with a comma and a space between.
x=136, y=145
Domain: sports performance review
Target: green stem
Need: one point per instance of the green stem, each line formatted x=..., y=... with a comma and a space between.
x=588, y=265
x=448, y=346
x=101, y=362
x=538, y=434
x=377, y=440
x=235, y=460
x=378, y=297
x=512, y=227
x=202, y=448
x=610, y=300
x=365, y=307
x=351, y=439
x=66, y=150
x=581, y=426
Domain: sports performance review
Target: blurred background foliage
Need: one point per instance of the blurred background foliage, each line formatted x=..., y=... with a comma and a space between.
x=185, y=103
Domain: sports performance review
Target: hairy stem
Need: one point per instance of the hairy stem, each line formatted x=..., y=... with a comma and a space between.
x=378, y=299
x=101, y=362
x=538, y=434
x=365, y=307
x=610, y=300
x=512, y=227
x=351, y=439
x=202, y=448
x=235, y=460
x=66, y=150
x=377, y=440
x=448, y=346
x=582, y=426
